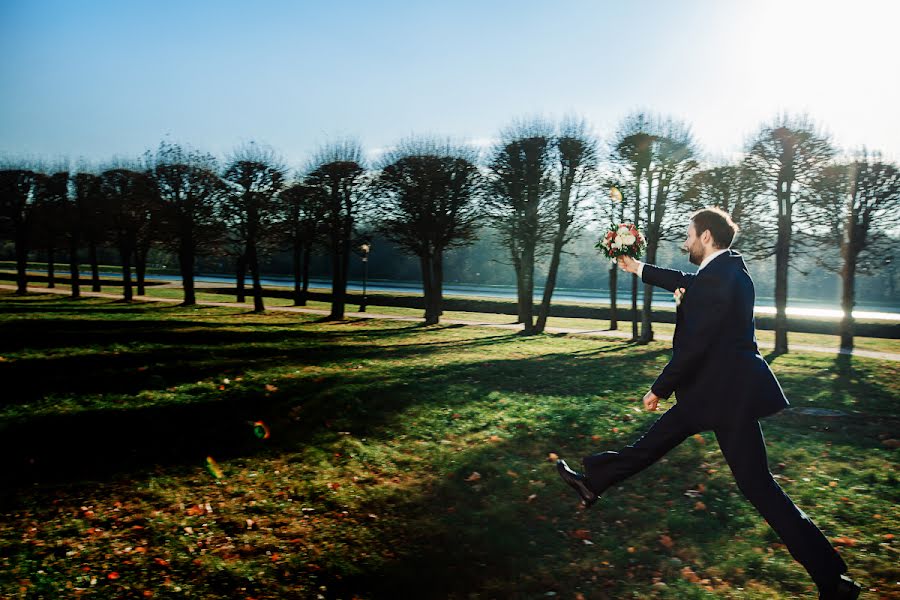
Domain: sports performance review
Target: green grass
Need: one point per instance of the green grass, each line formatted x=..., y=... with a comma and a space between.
x=402, y=460
x=890, y=345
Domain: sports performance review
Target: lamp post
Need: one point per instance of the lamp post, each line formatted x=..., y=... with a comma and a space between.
x=365, y=259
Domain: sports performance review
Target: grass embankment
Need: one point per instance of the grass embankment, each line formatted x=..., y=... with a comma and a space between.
x=403, y=461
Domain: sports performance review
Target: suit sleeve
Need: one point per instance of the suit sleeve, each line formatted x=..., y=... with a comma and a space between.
x=711, y=302
x=668, y=279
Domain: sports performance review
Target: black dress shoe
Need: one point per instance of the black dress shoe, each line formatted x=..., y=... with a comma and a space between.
x=846, y=589
x=577, y=481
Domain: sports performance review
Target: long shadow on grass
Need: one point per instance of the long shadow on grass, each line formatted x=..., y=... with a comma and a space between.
x=102, y=443
x=182, y=352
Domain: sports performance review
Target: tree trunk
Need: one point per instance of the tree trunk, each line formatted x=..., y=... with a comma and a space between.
x=431, y=318
x=95, y=268
x=848, y=299
x=527, y=298
x=241, y=276
x=520, y=289
x=634, y=309
x=634, y=277
x=74, y=275
x=127, y=292
x=307, y=254
x=613, y=284
x=21, y=261
x=51, y=266
x=140, y=267
x=782, y=255
x=340, y=265
x=550, y=285
x=647, y=312
x=298, y=276
x=253, y=261
x=438, y=283
x=186, y=264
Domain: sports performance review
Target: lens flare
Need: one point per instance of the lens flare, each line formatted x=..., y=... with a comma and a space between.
x=213, y=468
x=260, y=430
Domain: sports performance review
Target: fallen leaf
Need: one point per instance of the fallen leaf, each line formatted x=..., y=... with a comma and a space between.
x=475, y=476
x=699, y=506
x=271, y=388
x=582, y=534
x=844, y=541
x=666, y=541
x=531, y=498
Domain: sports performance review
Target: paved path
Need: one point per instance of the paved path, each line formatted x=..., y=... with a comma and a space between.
x=513, y=326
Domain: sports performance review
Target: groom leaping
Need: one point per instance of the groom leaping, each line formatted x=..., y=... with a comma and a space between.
x=722, y=384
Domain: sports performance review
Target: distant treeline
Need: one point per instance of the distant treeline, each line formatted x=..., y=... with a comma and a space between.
x=522, y=211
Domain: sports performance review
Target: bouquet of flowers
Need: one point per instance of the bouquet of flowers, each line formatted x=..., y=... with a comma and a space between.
x=622, y=240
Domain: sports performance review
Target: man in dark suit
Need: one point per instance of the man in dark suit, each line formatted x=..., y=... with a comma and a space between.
x=722, y=384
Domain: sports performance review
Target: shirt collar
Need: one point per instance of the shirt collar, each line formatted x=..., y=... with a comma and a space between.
x=709, y=258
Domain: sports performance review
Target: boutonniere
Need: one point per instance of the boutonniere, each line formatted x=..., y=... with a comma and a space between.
x=679, y=295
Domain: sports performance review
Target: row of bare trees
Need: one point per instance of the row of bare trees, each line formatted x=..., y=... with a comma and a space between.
x=540, y=185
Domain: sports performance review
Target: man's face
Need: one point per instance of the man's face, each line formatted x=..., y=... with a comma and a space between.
x=693, y=246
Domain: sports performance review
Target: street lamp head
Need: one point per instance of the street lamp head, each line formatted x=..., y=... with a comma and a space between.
x=365, y=248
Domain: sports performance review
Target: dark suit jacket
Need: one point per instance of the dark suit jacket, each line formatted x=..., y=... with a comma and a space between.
x=716, y=371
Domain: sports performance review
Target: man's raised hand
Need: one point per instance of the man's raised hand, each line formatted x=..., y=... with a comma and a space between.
x=628, y=264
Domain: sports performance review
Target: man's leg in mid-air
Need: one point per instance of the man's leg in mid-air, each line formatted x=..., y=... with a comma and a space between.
x=744, y=449
x=606, y=469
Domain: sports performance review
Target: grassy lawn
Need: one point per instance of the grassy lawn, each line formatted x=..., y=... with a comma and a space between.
x=890, y=345
x=402, y=461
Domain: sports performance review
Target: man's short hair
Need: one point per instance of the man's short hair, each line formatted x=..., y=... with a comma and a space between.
x=718, y=223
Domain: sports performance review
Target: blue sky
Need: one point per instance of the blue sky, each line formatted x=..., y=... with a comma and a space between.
x=99, y=79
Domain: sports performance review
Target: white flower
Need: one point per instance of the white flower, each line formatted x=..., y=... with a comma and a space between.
x=622, y=230
x=616, y=245
x=628, y=239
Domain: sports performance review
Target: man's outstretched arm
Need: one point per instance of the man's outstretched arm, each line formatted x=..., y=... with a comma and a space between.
x=668, y=279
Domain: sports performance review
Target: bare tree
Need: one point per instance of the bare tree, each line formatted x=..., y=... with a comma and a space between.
x=859, y=204
x=50, y=217
x=303, y=215
x=19, y=188
x=611, y=209
x=631, y=157
x=659, y=155
x=128, y=202
x=520, y=202
x=190, y=191
x=91, y=217
x=575, y=172
x=427, y=202
x=255, y=176
x=337, y=173
x=787, y=155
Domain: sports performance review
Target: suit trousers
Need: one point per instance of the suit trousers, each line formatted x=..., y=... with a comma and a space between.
x=744, y=448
